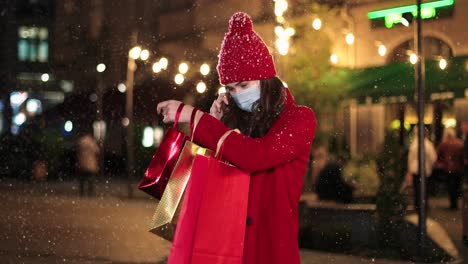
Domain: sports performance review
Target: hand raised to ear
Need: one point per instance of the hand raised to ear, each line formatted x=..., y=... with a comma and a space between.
x=216, y=109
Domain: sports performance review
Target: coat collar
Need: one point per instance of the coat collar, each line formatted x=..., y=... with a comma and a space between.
x=289, y=100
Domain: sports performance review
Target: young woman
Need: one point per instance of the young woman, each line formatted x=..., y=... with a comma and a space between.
x=273, y=146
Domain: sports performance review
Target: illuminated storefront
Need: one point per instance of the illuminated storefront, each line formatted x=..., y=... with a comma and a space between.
x=383, y=66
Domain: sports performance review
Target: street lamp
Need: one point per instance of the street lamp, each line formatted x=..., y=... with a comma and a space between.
x=99, y=125
x=134, y=53
x=122, y=88
x=45, y=77
x=144, y=55
x=101, y=67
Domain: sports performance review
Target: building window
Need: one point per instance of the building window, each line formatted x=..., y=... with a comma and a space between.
x=433, y=49
x=43, y=51
x=33, y=44
x=23, y=50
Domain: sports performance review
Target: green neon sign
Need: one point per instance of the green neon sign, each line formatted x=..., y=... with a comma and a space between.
x=396, y=18
x=394, y=15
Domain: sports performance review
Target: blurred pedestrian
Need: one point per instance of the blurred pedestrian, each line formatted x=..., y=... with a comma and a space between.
x=319, y=160
x=464, y=129
x=273, y=146
x=450, y=161
x=87, y=152
x=413, y=177
x=40, y=171
x=331, y=185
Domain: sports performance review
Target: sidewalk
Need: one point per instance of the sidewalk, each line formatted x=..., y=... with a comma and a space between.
x=111, y=205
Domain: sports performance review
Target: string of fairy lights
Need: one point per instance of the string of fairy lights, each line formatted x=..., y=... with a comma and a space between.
x=284, y=33
x=161, y=64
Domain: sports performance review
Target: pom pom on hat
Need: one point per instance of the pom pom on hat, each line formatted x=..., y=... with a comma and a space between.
x=240, y=22
x=243, y=55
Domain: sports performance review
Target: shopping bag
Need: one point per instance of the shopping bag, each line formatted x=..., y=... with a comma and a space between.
x=181, y=248
x=222, y=216
x=166, y=215
x=213, y=215
x=164, y=160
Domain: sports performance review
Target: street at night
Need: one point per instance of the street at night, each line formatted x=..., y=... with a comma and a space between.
x=55, y=225
x=50, y=223
x=282, y=132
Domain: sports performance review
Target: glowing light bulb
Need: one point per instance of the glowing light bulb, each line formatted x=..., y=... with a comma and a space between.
x=144, y=55
x=135, y=52
x=201, y=87
x=179, y=78
x=157, y=67
x=413, y=58
x=205, y=69
x=317, y=24
x=443, y=64
x=382, y=50
x=163, y=62
x=183, y=68
x=350, y=38
x=334, y=59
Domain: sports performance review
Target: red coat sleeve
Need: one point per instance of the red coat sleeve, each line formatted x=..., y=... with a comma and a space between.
x=289, y=138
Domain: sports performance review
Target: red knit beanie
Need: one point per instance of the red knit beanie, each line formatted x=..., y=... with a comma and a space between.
x=243, y=56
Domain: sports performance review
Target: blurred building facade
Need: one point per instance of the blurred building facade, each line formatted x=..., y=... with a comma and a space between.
x=379, y=38
x=101, y=32
x=49, y=76
x=50, y=50
x=384, y=36
x=28, y=83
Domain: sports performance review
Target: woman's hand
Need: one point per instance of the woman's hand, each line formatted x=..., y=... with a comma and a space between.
x=169, y=109
x=216, y=109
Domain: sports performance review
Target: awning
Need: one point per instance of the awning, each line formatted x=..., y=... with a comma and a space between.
x=398, y=80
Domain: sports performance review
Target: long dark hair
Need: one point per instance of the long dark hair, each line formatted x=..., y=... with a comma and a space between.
x=265, y=111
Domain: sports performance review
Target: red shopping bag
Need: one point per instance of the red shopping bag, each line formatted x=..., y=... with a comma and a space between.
x=222, y=217
x=164, y=160
x=167, y=211
x=212, y=220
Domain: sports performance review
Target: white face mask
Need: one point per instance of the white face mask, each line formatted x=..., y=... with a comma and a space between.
x=246, y=98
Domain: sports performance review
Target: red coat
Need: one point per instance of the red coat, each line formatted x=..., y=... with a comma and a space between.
x=277, y=163
x=450, y=155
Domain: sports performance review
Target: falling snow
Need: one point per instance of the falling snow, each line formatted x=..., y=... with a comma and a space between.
x=359, y=153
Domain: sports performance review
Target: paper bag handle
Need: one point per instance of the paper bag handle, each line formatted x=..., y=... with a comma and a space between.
x=196, y=116
x=177, y=116
x=221, y=140
x=192, y=118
